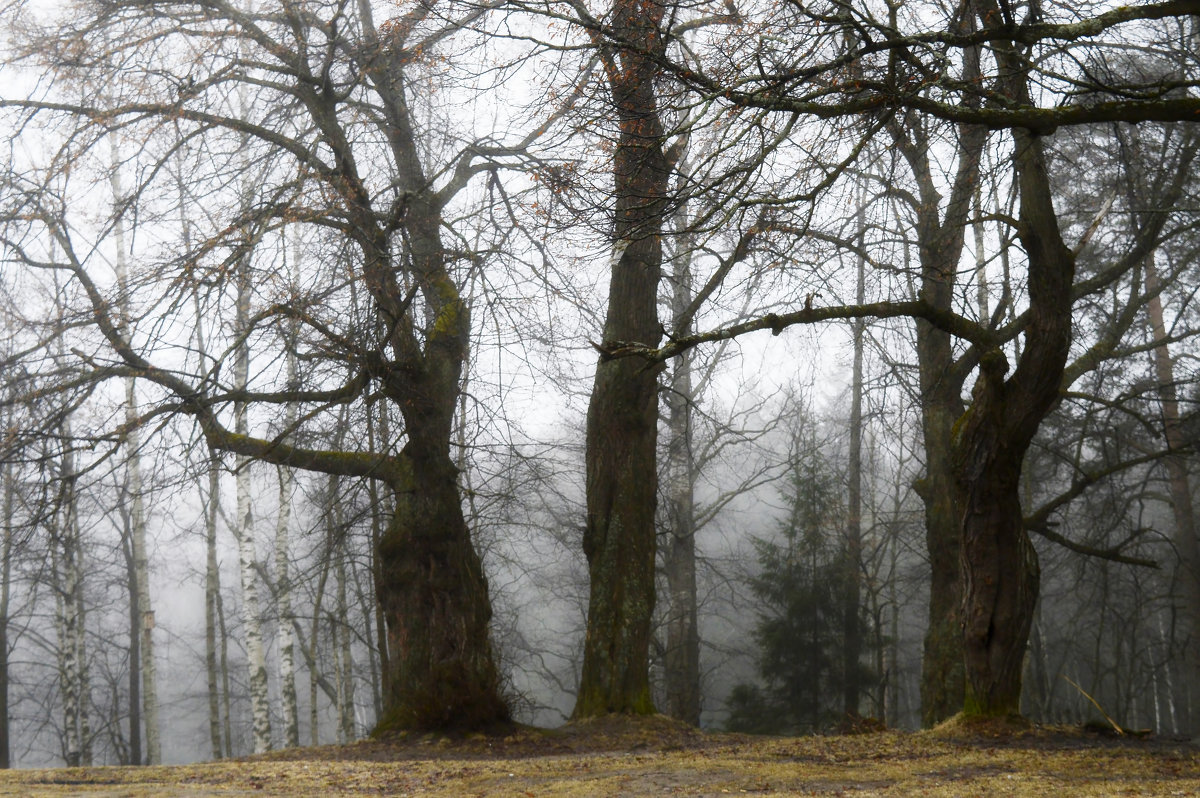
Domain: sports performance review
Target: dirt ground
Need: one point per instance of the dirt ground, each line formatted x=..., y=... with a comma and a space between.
x=656, y=756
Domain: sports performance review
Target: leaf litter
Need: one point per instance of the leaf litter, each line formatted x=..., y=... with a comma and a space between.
x=657, y=756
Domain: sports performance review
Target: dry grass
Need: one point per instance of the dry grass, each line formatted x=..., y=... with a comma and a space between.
x=659, y=757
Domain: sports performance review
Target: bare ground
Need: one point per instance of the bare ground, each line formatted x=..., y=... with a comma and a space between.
x=656, y=756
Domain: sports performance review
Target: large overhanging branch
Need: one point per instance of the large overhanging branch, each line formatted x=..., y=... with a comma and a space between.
x=772, y=91
x=1111, y=554
x=193, y=400
x=776, y=322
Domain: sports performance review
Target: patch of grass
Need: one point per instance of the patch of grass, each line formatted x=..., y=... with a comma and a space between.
x=657, y=756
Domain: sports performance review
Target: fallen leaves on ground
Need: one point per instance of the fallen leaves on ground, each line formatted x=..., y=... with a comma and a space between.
x=657, y=756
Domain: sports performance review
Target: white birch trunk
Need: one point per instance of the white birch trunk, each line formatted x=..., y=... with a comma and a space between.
x=65, y=656
x=64, y=565
x=287, y=645
x=251, y=626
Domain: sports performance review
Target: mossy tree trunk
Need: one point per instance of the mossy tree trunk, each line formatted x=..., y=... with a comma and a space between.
x=622, y=422
x=999, y=563
x=434, y=597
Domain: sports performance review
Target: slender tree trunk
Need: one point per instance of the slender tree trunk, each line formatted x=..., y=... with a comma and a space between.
x=313, y=648
x=682, y=657
x=287, y=479
x=9, y=508
x=81, y=657
x=346, y=668
x=68, y=685
x=214, y=662
x=377, y=437
x=67, y=574
x=1179, y=486
x=852, y=599
x=140, y=587
x=622, y=421
x=135, y=634
x=225, y=692
x=141, y=574
x=251, y=624
x=287, y=652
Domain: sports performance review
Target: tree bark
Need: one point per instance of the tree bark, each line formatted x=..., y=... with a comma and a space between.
x=213, y=662
x=622, y=421
x=140, y=586
x=135, y=633
x=9, y=501
x=256, y=665
x=940, y=239
x=432, y=590
x=852, y=627
x=346, y=732
x=681, y=660
x=67, y=572
x=283, y=579
x=999, y=563
x=1182, y=508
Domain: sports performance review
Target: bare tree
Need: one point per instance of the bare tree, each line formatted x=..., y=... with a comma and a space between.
x=326, y=91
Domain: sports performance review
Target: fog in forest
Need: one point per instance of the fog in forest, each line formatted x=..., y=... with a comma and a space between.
x=425, y=366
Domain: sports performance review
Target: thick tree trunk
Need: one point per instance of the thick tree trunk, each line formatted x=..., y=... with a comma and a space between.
x=1000, y=570
x=622, y=423
x=1000, y=566
x=619, y=540
x=943, y=674
x=434, y=597
x=941, y=381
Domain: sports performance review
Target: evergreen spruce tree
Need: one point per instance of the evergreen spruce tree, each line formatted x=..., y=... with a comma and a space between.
x=804, y=568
